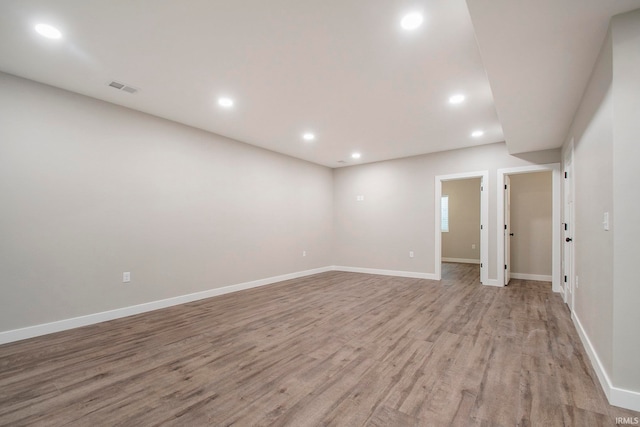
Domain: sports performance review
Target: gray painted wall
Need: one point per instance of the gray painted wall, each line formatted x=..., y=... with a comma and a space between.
x=626, y=202
x=605, y=133
x=89, y=190
x=464, y=219
x=397, y=214
x=531, y=210
x=592, y=131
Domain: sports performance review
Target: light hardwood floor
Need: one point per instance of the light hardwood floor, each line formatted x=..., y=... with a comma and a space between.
x=342, y=349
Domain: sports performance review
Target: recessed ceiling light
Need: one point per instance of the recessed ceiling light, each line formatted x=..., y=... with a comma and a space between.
x=308, y=136
x=355, y=155
x=411, y=21
x=225, y=102
x=456, y=99
x=477, y=133
x=48, y=31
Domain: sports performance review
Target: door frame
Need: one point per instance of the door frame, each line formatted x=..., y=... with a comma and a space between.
x=484, y=221
x=569, y=185
x=506, y=234
x=556, y=258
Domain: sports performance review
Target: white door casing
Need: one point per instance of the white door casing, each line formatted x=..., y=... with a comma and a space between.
x=568, y=230
x=507, y=230
x=556, y=248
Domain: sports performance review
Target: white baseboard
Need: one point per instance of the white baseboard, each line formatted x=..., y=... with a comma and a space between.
x=627, y=399
x=461, y=260
x=605, y=383
x=492, y=282
x=398, y=273
x=536, y=277
x=76, y=322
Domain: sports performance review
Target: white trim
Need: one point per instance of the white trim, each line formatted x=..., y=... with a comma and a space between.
x=90, y=319
x=605, y=383
x=462, y=260
x=569, y=271
x=398, y=273
x=628, y=399
x=556, y=263
x=536, y=277
x=493, y=282
x=484, y=220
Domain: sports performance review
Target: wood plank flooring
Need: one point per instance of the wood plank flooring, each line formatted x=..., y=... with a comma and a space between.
x=343, y=349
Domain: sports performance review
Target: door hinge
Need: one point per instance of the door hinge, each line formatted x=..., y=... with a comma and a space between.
x=565, y=175
x=505, y=186
x=480, y=226
x=481, y=265
x=505, y=226
x=565, y=226
x=505, y=266
x=565, y=279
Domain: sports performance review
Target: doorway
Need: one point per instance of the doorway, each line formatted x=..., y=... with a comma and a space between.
x=460, y=226
x=481, y=247
x=505, y=225
x=528, y=226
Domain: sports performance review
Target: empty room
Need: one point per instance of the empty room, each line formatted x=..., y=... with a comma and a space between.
x=303, y=213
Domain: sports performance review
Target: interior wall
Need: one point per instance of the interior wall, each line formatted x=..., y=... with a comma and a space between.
x=531, y=223
x=397, y=214
x=462, y=241
x=605, y=132
x=592, y=132
x=626, y=203
x=90, y=190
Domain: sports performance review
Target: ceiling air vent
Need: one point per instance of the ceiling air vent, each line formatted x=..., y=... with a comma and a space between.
x=123, y=87
x=342, y=162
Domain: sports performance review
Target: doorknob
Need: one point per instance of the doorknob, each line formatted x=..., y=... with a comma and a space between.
x=510, y=234
x=568, y=239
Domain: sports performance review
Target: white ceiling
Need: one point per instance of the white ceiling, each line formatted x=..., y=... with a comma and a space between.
x=539, y=55
x=344, y=70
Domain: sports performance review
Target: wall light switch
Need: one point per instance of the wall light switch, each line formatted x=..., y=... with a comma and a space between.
x=126, y=277
x=605, y=221
x=473, y=246
x=304, y=253
x=360, y=198
x=410, y=254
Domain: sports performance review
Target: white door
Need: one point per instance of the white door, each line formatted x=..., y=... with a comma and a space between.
x=567, y=231
x=482, y=266
x=507, y=230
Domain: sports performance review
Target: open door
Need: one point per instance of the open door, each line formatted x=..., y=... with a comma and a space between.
x=504, y=222
x=507, y=230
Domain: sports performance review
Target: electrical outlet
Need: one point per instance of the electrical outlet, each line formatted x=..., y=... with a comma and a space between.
x=304, y=253
x=126, y=277
x=410, y=254
x=360, y=198
x=473, y=246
